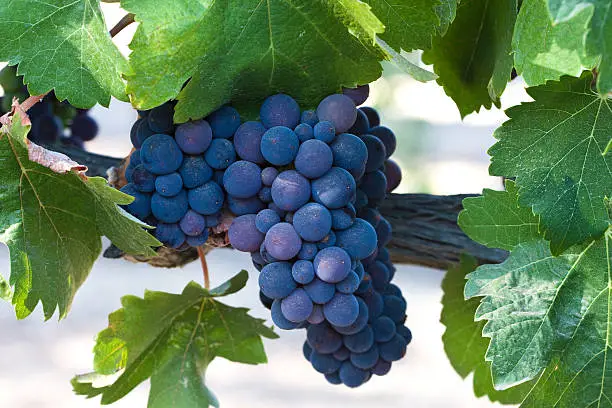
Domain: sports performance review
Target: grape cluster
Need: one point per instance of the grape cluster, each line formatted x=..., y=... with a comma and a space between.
x=50, y=117
x=175, y=173
x=303, y=188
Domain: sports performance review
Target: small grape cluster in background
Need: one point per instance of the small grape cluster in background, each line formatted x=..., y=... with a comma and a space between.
x=303, y=187
x=53, y=121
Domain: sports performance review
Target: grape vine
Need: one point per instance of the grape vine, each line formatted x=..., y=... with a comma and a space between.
x=252, y=134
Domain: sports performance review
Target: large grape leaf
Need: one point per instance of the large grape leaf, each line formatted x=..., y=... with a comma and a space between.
x=245, y=50
x=463, y=344
x=496, y=220
x=554, y=147
x=545, y=51
x=552, y=313
x=172, y=339
x=446, y=11
x=62, y=45
x=409, y=25
x=598, y=34
x=52, y=224
x=474, y=58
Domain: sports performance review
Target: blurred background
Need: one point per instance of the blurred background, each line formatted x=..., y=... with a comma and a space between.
x=439, y=154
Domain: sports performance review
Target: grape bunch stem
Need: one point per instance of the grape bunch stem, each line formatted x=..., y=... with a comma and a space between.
x=202, y=256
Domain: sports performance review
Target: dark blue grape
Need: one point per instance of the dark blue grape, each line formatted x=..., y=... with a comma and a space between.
x=281, y=213
x=324, y=131
x=279, y=320
x=224, y=122
x=339, y=110
x=308, y=251
x=140, y=132
x=350, y=153
x=360, y=323
x=405, y=333
x=361, y=125
x=384, y=329
x=317, y=316
x=220, y=154
x=314, y=159
x=358, y=94
x=194, y=137
x=309, y=117
x=247, y=141
x=303, y=272
x=242, y=206
x=84, y=127
x=381, y=368
x=282, y=242
x=279, y=145
x=320, y=292
x=206, y=199
x=313, y=222
x=276, y=281
x=169, y=209
x=375, y=302
x=343, y=218
x=323, y=338
x=195, y=172
x=297, y=306
x=371, y=215
x=359, y=240
x=394, y=349
x=352, y=376
x=169, y=185
x=46, y=129
x=280, y=110
x=290, y=190
x=328, y=241
x=376, y=152
x=372, y=115
x=265, y=194
x=367, y=359
x=242, y=179
x=135, y=158
x=393, y=172
x=170, y=234
x=192, y=223
x=304, y=132
x=212, y=220
x=334, y=189
x=244, y=235
x=361, y=341
x=141, y=206
x=143, y=180
x=387, y=137
x=160, y=119
x=395, y=308
x=383, y=232
x=342, y=354
x=333, y=378
x=266, y=219
x=349, y=284
x=342, y=310
x=161, y=155
x=359, y=270
x=379, y=274
x=332, y=265
x=325, y=363
x=218, y=176
x=268, y=175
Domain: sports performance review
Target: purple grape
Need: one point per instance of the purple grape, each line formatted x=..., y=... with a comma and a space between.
x=352, y=376
x=275, y=280
x=242, y=206
x=309, y=117
x=170, y=234
x=308, y=251
x=304, y=132
x=282, y=242
x=279, y=145
x=359, y=240
x=242, y=179
x=143, y=180
x=359, y=94
x=394, y=349
x=280, y=110
x=224, y=122
x=268, y=175
x=84, y=127
x=374, y=184
x=279, y=320
x=169, y=209
x=244, y=235
x=198, y=240
x=303, y=272
x=247, y=141
x=195, y=172
x=317, y=316
x=206, y=199
x=220, y=154
x=290, y=190
x=160, y=118
x=194, y=137
x=387, y=137
x=339, y=110
x=334, y=189
x=376, y=152
x=161, y=155
x=312, y=222
x=372, y=115
x=361, y=341
x=266, y=219
x=323, y=338
x=192, y=224
x=367, y=359
x=297, y=306
x=320, y=292
x=324, y=363
x=169, y=185
x=361, y=125
x=314, y=159
x=393, y=172
x=324, y=131
x=342, y=310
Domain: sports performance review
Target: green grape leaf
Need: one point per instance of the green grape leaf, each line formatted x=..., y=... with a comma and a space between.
x=62, y=45
x=171, y=339
x=6, y=293
x=52, y=220
x=409, y=25
x=598, y=43
x=496, y=220
x=554, y=147
x=474, y=58
x=547, y=312
x=446, y=12
x=244, y=50
x=463, y=344
x=545, y=51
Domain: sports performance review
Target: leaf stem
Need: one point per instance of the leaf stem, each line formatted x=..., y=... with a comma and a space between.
x=202, y=256
x=31, y=101
x=124, y=22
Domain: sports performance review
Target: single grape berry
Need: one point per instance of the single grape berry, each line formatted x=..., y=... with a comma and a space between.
x=280, y=110
x=224, y=122
x=194, y=137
